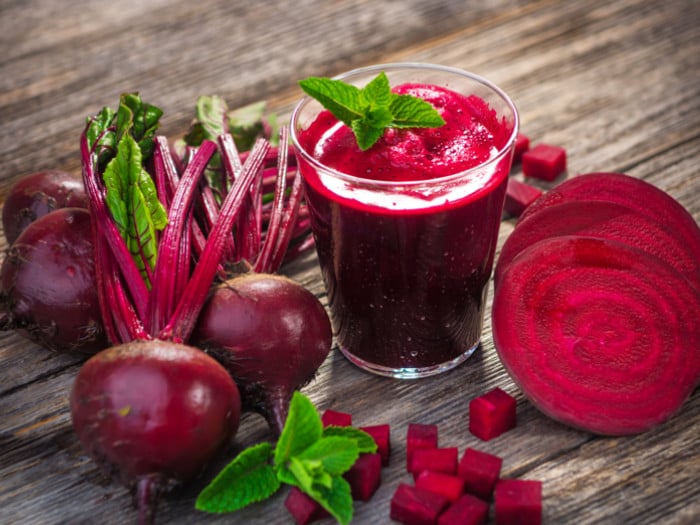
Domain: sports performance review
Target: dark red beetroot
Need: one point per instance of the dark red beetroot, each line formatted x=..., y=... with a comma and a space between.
x=365, y=476
x=382, y=437
x=335, y=418
x=38, y=194
x=271, y=333
x=467, y=510
x=606, y=220
x=519, y=196
x=598, y=335
x=303, y=508
x=413, y=506
x=48, y=284
x=492, y=414
x=153, y=413
x=480, y=472
x=419, y=436
x=544, y=161
x=437, y=459
x=629, y=191
x=518, y=502
x=449, y=485
x=522, y=144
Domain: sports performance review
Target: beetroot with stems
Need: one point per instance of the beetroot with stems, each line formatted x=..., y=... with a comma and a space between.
x=597, y=334
x=605, y=220
x=38, y=194
x=49, y=284
x=152, y=413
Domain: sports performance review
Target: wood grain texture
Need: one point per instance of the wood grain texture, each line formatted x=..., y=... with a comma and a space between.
x=614, y=82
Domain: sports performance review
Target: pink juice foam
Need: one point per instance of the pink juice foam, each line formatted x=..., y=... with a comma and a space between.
x=407, y=272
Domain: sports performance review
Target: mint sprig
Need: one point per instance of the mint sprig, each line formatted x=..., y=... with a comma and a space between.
x=368, y=111
x=307, y=455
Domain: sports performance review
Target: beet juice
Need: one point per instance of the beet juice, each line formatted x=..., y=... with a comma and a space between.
x=406, y=231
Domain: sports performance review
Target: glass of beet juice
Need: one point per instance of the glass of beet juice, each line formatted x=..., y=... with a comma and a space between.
x=406, y=230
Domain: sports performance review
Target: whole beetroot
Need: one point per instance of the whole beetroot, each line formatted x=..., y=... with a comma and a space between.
x=152, y=414
x=38, y=194
x=48, y=289
x=271, y=334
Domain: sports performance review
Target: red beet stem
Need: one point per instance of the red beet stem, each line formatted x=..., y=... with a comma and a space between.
x=181, y=323
x=148, y=489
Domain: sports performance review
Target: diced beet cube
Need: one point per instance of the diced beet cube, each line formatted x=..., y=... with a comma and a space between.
x=382, y=437
x=420, y=436
x=491, y=414
x=335, y=418
x=414, y=506
x=467, y=510
x=518, y=502
x=303, y=508
x=519, y=196
x=544, y=161
x=365, y=476
x=449, y=485
x=522, y=144
x=437, y=459
x=480, y=471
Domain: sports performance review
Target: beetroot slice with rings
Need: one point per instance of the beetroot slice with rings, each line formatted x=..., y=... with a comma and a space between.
x=606, y=220
x=626, y=190
x=598, y=335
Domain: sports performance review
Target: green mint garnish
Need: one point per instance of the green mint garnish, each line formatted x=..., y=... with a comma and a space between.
x=368, y=111
x=306, y=455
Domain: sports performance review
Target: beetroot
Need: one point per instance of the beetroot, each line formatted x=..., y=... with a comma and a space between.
x=419, y=436
x=522, y=144
x=544, y=161
x=518, y=502
x=38, y=194
x=414, y=506
x=448, y=485
x=436, y=459
x=467, y=510
x=491, y=414
x=152, y=413
x=629, y=191
x=270, y=333
x=335, y=418
x=606, y=220
x=365, y=476
x=382, y=437
x=48, y=284
x=597, y=334
x=480, y=472
x=519, y=196
x=303, y=508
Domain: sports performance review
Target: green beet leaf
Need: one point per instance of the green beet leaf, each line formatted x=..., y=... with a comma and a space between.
x=249, y=478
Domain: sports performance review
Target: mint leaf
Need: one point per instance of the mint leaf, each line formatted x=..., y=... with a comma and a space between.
x=364, y=442
x=336, y=499
x=336, y=454
x=249, y=478
x=302, y=429
x=370, y=110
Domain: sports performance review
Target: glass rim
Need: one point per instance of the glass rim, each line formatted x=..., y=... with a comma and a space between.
x=367, y=182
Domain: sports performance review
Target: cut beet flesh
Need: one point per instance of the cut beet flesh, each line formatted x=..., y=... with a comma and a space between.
x=335, y=418
x=436, y=459
x=419, y=436
x=597, y=334
x=491, y=414
x=382, y=437
x=544, y=161
x=467, y=510
x=413, y=506
x=519, y=196
x=518, y=502
x=629, y=191
x=449, y=485
x=303, y=508
x=480, y=471
x=522, y=144
x=606, y=220
x=365, y=476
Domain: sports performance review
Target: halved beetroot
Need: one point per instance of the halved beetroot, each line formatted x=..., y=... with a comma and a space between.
x=606, y=220
x=597, y=334
x=629, y=191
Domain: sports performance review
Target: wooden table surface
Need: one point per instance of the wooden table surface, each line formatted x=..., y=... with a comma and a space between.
x=614, y=82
